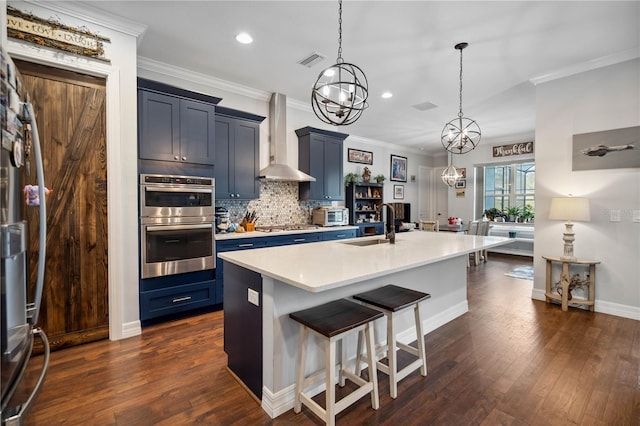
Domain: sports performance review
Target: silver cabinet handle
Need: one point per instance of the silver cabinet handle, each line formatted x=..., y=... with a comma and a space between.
x=246, y=245
x=184, y=158
x=176, y=157
x=181, y=299
x=299, y=240
x=238, y=195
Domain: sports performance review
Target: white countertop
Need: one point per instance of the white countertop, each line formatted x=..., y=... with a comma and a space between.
x=326, y=265
x=256, y=234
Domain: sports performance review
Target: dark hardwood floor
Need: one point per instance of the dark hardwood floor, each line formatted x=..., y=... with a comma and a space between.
x=509, y=360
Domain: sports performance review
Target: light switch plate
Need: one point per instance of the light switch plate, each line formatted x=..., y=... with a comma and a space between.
x=253, y=297
x=636, y=216
x=614, y=215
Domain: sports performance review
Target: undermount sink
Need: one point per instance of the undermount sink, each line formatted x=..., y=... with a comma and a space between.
x=363, y=243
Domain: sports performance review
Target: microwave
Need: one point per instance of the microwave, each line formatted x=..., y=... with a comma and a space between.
x=330, y=216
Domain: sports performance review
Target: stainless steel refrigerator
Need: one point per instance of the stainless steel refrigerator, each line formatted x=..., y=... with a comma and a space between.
x=22, y=187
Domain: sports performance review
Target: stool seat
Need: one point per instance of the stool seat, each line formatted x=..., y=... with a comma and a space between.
x=331, y=322
x=392, y=298
x=335, y=317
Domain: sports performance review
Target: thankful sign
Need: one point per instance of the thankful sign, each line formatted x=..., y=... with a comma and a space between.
x=513, y=149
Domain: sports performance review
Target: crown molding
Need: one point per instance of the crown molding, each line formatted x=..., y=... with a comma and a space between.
x=92, y=15
x=615, y=58
x=199, y=78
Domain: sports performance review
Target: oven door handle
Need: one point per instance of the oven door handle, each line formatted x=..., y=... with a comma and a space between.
x=177, y=227
x=158, y=189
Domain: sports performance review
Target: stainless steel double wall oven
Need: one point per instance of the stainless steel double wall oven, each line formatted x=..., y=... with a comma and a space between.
x=176, y=224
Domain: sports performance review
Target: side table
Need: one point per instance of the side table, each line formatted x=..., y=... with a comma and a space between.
x=565, y=280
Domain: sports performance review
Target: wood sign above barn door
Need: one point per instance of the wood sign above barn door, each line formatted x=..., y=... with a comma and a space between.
x=70, y=112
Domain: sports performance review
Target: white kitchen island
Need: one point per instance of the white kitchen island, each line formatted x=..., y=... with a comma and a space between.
x=261, y=340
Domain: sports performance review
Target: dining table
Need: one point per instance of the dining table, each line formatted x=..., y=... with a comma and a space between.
x=460, y=229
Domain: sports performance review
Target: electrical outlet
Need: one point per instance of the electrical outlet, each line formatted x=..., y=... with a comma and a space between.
x=614, y=215
x=636, y=216
x=253, y=297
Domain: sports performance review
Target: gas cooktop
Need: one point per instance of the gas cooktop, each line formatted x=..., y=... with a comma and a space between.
x=289, y=227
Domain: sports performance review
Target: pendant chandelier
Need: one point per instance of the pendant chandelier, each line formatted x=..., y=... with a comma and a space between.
x=450, y=176
x=340, y=93
x=461, y=134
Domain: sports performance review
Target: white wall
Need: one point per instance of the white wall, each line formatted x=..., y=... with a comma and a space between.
x=602, y=99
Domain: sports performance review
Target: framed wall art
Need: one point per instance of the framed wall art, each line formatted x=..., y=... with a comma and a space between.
x=462, y=183
x=398, y=168
x=608, y=149
x=358, y=156
x=398, y=192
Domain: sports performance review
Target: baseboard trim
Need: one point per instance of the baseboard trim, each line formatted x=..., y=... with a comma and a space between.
x=130, y=329
x=601, y=306
x=275, y=404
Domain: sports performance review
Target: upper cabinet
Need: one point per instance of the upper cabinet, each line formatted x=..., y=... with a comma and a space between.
x=175, y=125
x=238, y=154
x=320, y=155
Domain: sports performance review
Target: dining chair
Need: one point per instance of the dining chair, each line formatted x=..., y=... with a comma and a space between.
x=429, y=225
x=473, y=230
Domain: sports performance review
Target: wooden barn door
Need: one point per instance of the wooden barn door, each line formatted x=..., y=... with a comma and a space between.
x=70, y=112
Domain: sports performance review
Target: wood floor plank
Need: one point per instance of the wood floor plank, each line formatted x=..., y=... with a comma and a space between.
x=510, y=360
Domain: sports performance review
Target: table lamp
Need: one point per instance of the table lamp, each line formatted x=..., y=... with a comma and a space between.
x=569, y=209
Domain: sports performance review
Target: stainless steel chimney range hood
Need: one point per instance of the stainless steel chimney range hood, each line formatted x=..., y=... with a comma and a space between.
x=278, y=169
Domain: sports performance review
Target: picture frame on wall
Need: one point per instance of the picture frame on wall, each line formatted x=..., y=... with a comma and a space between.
x=398, y=192
x=398, y=168
x=359, y=156
x=463, y=172
x=461, y=184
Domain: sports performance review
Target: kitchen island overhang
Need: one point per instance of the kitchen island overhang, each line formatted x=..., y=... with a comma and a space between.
x=292, y=278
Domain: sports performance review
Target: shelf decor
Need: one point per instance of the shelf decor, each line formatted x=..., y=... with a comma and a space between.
x=398, y=168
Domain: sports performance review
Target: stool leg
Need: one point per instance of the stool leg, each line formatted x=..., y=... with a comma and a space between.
x=343, y=362
x=357, y=368
x=371, y=359
x=422, y=353
x=392, y=356
x=302, y=345
x=330, y=393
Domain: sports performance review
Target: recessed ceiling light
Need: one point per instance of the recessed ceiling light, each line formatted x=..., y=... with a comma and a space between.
x=387, y=95
x=244, y=38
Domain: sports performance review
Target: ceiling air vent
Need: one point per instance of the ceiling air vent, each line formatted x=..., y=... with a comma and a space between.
x=311, y=60
x=425, y=106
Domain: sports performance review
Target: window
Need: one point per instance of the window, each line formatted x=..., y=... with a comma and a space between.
x=509, y=185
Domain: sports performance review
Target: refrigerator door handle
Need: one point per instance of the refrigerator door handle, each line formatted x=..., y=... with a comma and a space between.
x=35, y=309
x=18, y=418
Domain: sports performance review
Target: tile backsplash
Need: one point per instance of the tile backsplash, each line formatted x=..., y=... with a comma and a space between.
x=278, y=205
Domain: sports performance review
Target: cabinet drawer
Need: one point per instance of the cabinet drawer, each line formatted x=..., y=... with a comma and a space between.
x=243, y=244
x=338, y=235
x=171, y=300
x=295, y=239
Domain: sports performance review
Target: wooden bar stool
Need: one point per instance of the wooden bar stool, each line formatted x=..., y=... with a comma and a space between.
x=392, y=301
x=332, y=322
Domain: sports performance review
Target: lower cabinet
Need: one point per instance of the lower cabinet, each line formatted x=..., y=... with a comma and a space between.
x=175, y=294
x=370, y=228
x=339, y=235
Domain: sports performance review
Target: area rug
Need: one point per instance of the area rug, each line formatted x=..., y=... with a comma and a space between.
x=524, y=272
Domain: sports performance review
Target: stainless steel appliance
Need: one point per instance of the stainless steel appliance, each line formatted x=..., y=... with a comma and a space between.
x=222, y=219
x=176, y=224
x=20, y=145
x=330, y=216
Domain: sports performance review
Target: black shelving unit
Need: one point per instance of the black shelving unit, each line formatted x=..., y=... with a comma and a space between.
x=363, y=201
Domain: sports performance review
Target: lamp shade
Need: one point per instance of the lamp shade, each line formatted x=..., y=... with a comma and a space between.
x=570, y=208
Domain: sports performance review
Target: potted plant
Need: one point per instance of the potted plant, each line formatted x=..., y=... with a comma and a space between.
x=492, y=213
x=527, y=214
x=513, y=213
x=351, y=178
x=380, y=178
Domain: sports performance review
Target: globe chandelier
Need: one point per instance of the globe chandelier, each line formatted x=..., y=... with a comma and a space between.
x=340, y=94
x=461, y=134
x=450, y=176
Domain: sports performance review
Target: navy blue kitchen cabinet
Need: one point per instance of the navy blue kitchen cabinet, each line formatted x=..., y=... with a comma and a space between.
x=368, y=229
x=339, y=235
x=238, y=154
x=320, y=155
x=233, y=245
x=175, y=294
x=175, y=125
